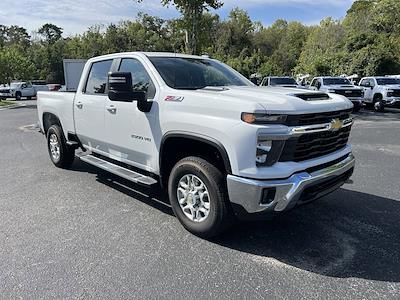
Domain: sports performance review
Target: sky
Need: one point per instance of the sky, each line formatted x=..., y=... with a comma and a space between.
x=75, y=16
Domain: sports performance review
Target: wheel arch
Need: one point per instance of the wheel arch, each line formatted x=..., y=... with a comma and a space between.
x=196, y=141
x=376, y=95
x=50, y=119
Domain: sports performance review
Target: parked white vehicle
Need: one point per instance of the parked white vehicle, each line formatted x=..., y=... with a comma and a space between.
x=341, y=86
x=18, y=90
x=283, y=81
x=218, y=144
x=381, y=92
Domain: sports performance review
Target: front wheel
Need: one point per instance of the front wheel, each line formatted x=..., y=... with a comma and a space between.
x=61, y=155
x=18, y=96
x=199, y=198
x=378, y=104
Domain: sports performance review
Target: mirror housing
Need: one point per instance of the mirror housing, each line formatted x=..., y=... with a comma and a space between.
x=120, y=89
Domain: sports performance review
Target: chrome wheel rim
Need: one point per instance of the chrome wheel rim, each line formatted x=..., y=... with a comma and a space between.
x=54, y=147
x=193, y=198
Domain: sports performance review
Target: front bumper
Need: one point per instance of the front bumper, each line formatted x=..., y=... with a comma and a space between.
x=249, y=194
x=392, y=102
x=5, y=95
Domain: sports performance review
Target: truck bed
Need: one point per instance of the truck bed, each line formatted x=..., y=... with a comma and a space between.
x=61, y=104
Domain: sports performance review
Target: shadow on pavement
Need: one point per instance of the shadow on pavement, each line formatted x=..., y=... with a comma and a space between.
x=153, y=197
x=370, y=115
x=346, y=234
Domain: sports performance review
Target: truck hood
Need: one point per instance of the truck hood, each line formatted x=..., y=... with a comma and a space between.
x=391, y=86
x=273, y=99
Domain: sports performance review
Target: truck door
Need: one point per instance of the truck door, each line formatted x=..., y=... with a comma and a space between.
x=27, y=90
x=89, y=107
x=132, y=135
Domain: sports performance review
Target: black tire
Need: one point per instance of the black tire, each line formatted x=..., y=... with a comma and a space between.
x=66, y=154
x=378, y=103
x=18, y=96
x=3, y=98
x=220, y=216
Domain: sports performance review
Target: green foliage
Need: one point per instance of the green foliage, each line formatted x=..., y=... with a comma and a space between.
x=366, y=42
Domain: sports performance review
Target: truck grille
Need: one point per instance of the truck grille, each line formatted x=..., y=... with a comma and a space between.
x=350, y=93
x=4, y=91
x=317, y=118
x=312, y=145
x=395, y=93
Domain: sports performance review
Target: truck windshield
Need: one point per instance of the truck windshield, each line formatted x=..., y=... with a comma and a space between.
x=282, y=81
x=192, y=73
x=388, y=81
x=336, y=81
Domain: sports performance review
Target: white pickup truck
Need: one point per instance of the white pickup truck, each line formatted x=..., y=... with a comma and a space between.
x=340, y=86
x=221, y=146
x=18, y=90
x=381, y=92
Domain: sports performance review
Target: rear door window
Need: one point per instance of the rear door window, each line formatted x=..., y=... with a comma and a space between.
x=97, y=79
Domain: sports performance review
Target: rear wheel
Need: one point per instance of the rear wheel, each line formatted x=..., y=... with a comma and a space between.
x=61, y=155
x=199, y=198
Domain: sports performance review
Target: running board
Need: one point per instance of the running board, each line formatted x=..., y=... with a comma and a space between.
x=117, y=170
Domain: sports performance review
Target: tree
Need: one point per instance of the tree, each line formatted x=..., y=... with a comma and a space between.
x=192, y=14
x=50, y=32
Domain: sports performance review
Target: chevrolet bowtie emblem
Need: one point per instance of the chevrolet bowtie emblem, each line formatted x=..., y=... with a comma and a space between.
x=336, y=124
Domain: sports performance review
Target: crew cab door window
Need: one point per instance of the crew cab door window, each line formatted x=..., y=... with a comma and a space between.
x=141, y=81
x=97, y=79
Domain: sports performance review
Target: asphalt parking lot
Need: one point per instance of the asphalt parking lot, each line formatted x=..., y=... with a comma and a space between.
x=85, y=234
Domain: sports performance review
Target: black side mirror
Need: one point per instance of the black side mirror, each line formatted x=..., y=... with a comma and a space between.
x=120, y=89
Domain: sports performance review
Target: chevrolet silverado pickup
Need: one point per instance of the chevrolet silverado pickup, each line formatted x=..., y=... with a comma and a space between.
x=341, y=86
x=381, y=92
x=221, y=147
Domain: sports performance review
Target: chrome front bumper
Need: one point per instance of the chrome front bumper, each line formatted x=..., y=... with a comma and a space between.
x=248, y=193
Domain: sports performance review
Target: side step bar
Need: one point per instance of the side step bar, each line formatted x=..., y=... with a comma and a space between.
x=117, y=170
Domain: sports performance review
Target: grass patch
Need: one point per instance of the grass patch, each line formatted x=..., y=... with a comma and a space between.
x=5, y=103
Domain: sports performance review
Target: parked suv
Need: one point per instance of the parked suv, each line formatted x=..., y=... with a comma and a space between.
x=216, y=143
x=341, y=86
x=381, y=92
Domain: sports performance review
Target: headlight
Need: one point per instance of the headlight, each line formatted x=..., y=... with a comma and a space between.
x=268, y=151
x=257, y=118
x=389, y=93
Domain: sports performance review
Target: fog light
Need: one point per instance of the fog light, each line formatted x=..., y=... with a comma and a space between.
x=268, y=196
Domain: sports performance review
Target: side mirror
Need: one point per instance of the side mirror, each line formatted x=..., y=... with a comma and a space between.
x=120, y=89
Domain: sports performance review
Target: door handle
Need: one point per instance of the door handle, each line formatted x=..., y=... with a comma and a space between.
x=79, y=105
x=112, y=109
